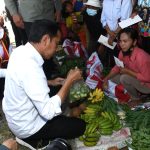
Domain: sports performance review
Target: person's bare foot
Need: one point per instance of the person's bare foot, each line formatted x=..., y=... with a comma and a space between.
x=11, y=144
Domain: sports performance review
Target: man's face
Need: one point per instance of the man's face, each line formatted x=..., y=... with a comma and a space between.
x=50, y=46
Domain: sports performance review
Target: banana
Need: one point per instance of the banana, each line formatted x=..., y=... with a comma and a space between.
x=97, y=107
x=87, y=129
x=89, y=110
x=91, y=139
x=95, y=126
x=92, y=128
x=96, y=96
x=115, y=118
x=95, y=135
x=106, y=124
x=105, y=115
x=82, y=138
x=117, y=126
x=86, y=143
x=106, y=131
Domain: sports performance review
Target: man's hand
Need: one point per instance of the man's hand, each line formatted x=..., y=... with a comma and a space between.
x=74, y=75
x=56, y=81
x=11, y=144
x=18, y=20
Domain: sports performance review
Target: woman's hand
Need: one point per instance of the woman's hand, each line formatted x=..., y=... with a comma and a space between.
x=105, y=84
x=18, y=20
x=128, y=71
x=124, y=70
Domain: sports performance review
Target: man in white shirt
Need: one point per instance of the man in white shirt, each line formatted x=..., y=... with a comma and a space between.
x=31, y=114
x=114, y=11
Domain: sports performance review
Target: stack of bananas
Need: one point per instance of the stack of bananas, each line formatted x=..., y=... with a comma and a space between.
x=98, y=123
x=96, y=96
x=92, y=112
x=91, y=116
x=110, y=123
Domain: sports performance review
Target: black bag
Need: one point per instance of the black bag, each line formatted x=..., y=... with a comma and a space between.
x=58, y=144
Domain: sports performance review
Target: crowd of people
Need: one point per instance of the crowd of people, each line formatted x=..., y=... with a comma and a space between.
x=34, y=116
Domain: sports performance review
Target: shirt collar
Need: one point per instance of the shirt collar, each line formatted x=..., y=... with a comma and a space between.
x=133, y=55
x=37, y=56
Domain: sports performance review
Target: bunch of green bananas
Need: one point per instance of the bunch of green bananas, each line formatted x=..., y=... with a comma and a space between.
x=91, y=113
x=114, y=119
x=91, y=135
x=98, y=123
x=91, y=139
x=96, y=96
x=105, y=126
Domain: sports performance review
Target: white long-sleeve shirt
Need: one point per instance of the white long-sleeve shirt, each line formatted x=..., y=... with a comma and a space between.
x=115, y=10
x=26, y=103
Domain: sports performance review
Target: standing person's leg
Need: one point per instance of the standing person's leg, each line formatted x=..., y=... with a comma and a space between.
x=59, y=127
x=27, y=26
x=23, y=36
x=132, y=85
x=16, y=34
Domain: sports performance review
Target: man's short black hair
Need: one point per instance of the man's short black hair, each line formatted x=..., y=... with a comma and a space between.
x=42, y=27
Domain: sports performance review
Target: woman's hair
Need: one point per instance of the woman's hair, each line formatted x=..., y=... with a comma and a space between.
x=64, y=6
x=42, y=27
x=132, y=33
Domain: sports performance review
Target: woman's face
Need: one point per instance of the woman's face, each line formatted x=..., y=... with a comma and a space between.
x=125, y=42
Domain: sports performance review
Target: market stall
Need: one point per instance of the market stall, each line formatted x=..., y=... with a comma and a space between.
x=109, y=123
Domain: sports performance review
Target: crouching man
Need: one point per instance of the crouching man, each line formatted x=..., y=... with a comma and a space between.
x=33, y=116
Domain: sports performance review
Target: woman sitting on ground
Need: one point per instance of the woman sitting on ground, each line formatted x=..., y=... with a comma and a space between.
x=135, y=76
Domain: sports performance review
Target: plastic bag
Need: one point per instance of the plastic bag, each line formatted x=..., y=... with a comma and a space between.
x=78, y=91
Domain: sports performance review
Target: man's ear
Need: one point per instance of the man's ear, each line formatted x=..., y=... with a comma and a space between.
x=45, y=40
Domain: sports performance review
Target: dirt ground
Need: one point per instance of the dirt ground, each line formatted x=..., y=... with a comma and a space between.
x=5, y=133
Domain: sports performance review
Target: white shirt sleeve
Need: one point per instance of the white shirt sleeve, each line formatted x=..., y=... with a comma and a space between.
x=103, y=19
x=126, y=9
x=35, y=85
x=2, y=73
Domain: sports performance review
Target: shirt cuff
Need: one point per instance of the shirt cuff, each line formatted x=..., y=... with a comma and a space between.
x=57, y=104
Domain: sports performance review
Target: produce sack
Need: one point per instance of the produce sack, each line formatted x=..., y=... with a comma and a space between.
x=117, y=91
x=94, y=71
x=74, y=48
x=78, y=91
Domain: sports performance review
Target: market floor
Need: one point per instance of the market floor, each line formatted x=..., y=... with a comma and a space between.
x=5, y=133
